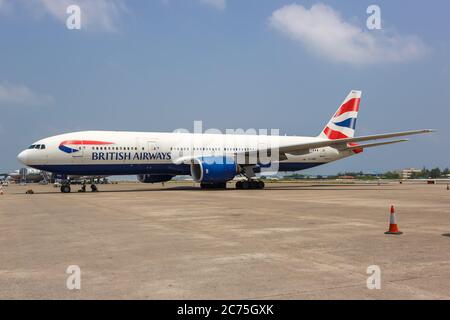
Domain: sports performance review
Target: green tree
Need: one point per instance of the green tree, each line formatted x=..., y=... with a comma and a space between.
x=435, y=173
x=391, y=175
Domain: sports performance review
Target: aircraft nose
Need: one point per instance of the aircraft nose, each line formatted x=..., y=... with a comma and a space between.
x=22, y=157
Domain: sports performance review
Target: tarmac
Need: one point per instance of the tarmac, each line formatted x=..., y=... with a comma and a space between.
x=289, y=241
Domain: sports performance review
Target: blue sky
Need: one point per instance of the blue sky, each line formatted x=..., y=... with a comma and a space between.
x=159, y=65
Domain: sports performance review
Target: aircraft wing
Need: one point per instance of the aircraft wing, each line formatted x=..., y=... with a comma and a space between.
x=344, y=142
x=341, y=144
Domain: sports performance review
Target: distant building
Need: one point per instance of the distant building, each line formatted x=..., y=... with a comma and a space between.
x=407, y=173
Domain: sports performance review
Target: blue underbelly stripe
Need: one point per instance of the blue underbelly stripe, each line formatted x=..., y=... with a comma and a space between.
x=127, y=169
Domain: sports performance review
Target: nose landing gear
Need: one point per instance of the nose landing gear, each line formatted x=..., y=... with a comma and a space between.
x=65, y=188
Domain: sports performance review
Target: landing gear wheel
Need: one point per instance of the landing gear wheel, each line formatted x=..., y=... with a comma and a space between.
x=65, y=189
x=250, y=184
x=261, y=184
x=94, y=188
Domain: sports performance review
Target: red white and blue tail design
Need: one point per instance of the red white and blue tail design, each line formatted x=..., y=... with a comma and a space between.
x=342, y=124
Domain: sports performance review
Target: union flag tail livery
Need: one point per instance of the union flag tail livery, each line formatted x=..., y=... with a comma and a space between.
x=342, y=124
x=211, y=159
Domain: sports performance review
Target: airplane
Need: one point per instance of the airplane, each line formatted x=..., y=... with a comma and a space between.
x=26, y=175
x=211, y=159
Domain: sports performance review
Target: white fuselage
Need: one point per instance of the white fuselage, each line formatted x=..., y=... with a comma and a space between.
x=123, y=153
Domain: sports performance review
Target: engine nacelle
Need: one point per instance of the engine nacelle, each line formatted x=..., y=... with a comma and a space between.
x=214, y=169
x=154, y=178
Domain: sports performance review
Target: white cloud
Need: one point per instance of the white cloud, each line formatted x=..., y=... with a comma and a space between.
x=21, y=95
x=98, y=15
x=323, y=31
x=218, y=4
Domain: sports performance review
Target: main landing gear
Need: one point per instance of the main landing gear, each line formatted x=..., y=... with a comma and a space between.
x=241, y=185
x=250, y=184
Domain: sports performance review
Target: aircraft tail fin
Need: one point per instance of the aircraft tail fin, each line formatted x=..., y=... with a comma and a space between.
x=342, y=124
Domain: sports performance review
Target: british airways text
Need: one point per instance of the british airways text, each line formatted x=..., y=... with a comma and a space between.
x=131, y=156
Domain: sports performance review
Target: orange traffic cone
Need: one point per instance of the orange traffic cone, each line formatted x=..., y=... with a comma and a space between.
x=393, y=228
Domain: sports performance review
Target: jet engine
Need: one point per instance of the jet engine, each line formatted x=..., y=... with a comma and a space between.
x=214, y=169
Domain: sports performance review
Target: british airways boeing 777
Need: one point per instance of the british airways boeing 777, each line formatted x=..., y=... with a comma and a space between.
x=211, y=159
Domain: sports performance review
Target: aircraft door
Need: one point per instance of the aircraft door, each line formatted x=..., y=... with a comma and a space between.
x=152, y=146
x=78, y=151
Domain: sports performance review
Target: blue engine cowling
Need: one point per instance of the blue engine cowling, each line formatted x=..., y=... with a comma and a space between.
x=153, y=178
x=213, y=169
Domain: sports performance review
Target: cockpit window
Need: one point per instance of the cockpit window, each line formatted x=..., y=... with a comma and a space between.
x=37, y=146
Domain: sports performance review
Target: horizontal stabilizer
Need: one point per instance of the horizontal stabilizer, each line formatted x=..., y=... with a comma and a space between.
x=376, y=144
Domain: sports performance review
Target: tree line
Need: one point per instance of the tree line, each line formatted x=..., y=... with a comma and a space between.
x=423, y=174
